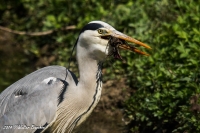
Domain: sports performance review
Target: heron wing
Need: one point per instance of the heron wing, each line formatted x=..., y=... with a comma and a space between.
x=31, y=102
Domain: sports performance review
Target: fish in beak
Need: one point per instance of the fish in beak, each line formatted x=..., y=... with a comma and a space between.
x=120, y=40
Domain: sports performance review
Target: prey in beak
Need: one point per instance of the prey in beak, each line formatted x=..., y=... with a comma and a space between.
x=118, y=40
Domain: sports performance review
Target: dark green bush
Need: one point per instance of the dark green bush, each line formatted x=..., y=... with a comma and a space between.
x=167, y=80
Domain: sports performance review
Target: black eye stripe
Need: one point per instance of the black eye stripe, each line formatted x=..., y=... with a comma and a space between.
x=91, y=26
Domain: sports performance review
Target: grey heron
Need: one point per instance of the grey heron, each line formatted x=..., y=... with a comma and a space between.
x=52, y=99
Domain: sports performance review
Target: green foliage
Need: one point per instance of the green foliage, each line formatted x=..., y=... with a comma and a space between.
x=163, y=82
x=167, y=79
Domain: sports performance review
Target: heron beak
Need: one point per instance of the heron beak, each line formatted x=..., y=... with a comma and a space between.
x=127, y=46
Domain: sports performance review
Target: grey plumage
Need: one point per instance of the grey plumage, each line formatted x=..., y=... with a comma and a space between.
x=51, y=99
x=16, y=100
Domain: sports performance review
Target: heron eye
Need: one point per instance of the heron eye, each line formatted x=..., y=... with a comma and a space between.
x=100, y=31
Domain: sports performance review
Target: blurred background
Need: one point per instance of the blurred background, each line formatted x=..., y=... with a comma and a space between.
x=155, y=94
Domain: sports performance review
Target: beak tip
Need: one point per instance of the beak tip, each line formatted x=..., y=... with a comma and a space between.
x=146, y=46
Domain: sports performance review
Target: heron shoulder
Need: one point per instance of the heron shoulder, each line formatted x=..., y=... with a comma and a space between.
x=32, y=82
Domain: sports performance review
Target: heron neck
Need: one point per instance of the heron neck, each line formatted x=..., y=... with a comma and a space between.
x=89, y=68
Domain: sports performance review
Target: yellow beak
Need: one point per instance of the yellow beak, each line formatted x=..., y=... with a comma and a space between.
x=127, y=46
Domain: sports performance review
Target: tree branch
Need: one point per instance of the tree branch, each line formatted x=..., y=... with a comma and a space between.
x=36, y=33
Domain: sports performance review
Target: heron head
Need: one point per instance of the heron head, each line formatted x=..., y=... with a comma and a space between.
x=101, y=40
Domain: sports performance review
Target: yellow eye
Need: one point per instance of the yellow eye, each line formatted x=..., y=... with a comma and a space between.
x=100, y=31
